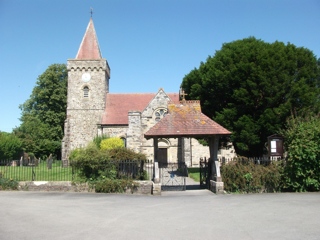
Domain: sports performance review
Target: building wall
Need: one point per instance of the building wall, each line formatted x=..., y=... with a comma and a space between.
x=84, y=113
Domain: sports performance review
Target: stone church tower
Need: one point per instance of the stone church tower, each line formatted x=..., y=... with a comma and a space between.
x=88, y=83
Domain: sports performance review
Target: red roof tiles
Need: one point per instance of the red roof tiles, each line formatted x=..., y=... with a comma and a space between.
x=118, y=106
x=186, y=120
x=89, y=47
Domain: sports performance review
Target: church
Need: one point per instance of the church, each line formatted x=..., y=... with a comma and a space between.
x=92, y=111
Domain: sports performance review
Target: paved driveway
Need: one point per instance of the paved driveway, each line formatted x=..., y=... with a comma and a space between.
x=195, y=214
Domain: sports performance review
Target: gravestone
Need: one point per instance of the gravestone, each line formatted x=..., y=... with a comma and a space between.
x=21, y=161
x=49, y=162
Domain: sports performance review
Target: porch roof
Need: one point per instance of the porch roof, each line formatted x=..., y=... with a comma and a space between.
x=185, y=120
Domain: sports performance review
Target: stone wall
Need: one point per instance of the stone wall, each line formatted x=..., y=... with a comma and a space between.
x=143, y=187
x=56, y=186
x=198, y=151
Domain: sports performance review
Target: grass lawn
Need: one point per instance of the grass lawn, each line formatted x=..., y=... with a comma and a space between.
x=39, y=173
x=194, y=173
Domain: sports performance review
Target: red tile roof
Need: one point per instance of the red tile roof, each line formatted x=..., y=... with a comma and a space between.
x=89, y=47
x=118, y=106
x=186, y=120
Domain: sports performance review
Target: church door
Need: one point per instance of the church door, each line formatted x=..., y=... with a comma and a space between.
x=162, y=155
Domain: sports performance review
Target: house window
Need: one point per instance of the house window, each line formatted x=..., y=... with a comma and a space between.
x=85, y=92
x=160, y=113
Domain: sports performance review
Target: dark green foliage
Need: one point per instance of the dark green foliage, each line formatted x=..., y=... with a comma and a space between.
x=105, y=170
x=243, y=175
x=8, y=184
x=302, y=140
x=10, y=146
x=93, y=162
x=44, y=113
x=90, y=161
x=251, y=87
x=114, y=185
x=125, y=154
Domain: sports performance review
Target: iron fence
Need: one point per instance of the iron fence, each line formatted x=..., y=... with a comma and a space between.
x=57, y=170
x=256, y=160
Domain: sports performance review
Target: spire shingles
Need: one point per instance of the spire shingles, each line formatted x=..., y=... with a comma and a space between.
x=89, y=48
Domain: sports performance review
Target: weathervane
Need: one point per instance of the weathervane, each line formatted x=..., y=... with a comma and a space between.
x=91, y=11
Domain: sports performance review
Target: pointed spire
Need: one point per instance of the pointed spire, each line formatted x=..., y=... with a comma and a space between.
x=89, y=48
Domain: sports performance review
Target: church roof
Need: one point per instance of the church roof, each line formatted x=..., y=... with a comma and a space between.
x=186, y=120
x=89, y=47
x=119, y=104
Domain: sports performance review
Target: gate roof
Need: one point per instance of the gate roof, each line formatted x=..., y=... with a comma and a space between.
x=185, y=120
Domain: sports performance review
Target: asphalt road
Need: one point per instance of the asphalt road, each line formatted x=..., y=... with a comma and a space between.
x=196, y=214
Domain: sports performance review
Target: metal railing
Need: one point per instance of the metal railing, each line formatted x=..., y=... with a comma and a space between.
x=256, y=160
x=57, y=170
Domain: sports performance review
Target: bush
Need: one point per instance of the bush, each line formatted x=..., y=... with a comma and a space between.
x=125, y=154
x=90, y=161
x=243, y=175
x=6, y=184
x=98, y=139
x=302, y=140
x=111, y=143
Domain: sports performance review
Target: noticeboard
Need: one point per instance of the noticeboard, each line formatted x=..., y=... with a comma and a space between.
x=275, y=145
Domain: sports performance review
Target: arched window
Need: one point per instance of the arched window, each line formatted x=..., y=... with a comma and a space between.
x=160, y=113
x=86, y=92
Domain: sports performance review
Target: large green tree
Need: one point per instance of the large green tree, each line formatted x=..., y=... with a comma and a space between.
x=43, y=114
x=251, y=87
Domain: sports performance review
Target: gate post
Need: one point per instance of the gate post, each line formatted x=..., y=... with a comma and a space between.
x=156, y=176
x=216, y=184
x=156, y=188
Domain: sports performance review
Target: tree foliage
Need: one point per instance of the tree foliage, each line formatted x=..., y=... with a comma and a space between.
x=302, y=141
x=43, y=114
x=251, y=87
x=10, y=146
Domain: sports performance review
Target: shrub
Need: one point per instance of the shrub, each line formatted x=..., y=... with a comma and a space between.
x=111, y=143
x=90, y=161
x=125, y=154
x=6, y=184
x=93, y=163
x=243, y=175
x=98, y=139
x=302, y=140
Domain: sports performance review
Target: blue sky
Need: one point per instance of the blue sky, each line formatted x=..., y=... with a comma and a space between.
x=149, y=44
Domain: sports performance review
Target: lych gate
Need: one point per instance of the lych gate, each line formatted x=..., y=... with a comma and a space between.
x=186, y=120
